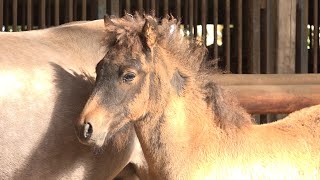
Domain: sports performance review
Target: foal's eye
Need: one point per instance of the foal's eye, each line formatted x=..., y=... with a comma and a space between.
x=129, y=77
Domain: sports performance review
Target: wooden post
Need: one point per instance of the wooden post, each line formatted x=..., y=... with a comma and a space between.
x=286, y=36
x=84, y=10
x=302, y=32
x=115, y=7
x=102, y=8
x=254, y=36
x=178, y=8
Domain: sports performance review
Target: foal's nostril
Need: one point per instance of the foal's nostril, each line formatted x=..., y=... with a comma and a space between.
x=87, y=130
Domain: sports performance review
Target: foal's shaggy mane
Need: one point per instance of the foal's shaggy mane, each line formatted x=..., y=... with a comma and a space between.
x=190, y=54
x=127, y=31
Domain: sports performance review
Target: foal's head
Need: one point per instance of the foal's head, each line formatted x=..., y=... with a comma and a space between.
x=145, y=64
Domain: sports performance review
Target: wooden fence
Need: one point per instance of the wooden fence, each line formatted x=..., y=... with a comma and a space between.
x=257, y=36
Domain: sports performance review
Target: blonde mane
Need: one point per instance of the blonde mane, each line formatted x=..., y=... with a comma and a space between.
x=126, y=31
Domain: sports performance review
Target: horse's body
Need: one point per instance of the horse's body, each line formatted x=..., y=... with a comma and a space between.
x=44, y=84
x=188, y=127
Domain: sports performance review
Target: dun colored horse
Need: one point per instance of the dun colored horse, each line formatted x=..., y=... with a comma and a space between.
x=188, y=127
x=45, y=81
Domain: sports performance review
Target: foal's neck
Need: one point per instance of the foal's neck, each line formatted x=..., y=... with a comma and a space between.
x=169, y=138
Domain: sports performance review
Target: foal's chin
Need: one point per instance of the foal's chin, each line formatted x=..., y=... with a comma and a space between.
x=96, y=141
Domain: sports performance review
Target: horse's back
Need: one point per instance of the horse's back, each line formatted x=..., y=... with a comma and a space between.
x=294, y=140
x=44, y=84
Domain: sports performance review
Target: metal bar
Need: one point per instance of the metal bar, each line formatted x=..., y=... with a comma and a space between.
x=75, y=10
x=23, y=16
x=140, y=6
x=306, y=21
x=226, y=33
x=316, y=36
x=165, y=7
x=42, y=14
x=1, y=15
x=204, y=20
x=157, y=8
x=269, y=37
x=191, y=17
x=48, y=13
x=56, y=13
x=128, y=6
x=70, y=10
x=185, y=12
x=14, y=15
x=178, y=8
x=121, y=11
x=84, y=10
x=29, y=15
x=153, y=7
x=195, y=20
x=215, y=29
x=147, y=6
x=264, y=25
x=239, y=35
x=263, y=99
x=6, y=15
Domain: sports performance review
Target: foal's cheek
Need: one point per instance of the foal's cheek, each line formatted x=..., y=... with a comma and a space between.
x=138, y=105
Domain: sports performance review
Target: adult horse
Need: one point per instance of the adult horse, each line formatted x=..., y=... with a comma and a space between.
x=188, y=127
x=45, y=80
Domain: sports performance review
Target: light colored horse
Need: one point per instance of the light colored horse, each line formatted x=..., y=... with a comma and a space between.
x=45, y=80
x=189, y=128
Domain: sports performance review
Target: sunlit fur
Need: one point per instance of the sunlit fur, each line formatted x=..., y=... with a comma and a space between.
x=45, y=80
x=200, y=132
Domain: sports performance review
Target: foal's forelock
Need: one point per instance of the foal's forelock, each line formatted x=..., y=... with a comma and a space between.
x=130, y=30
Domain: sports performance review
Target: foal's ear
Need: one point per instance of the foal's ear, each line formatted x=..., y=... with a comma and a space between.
x=107, y=20
x=149, y=32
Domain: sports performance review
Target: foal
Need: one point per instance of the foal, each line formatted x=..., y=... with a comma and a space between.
x=188, y=127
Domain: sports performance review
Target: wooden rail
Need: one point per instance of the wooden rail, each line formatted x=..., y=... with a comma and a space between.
x=273, y=93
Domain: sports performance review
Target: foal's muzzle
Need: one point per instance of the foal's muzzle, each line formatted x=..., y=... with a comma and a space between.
x=87, y=130
x=84, y=132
